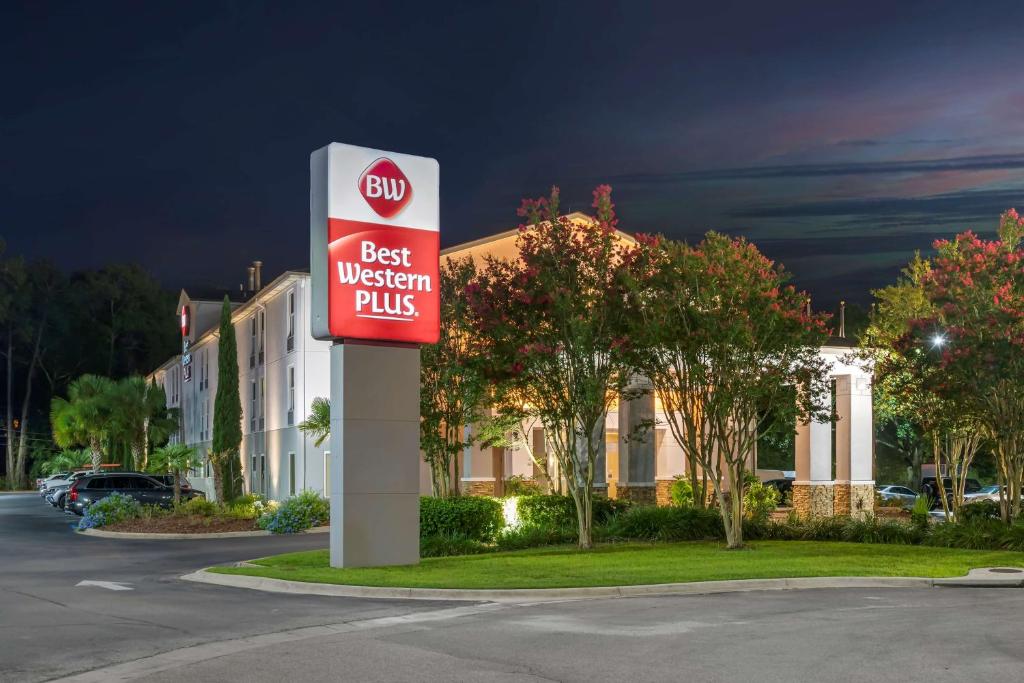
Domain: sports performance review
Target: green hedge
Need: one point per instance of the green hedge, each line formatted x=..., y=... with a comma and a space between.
x=558, y=512
x=649, y=523
x=468, y=517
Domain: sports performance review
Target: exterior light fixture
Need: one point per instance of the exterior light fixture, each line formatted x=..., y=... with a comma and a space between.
x=938, y=341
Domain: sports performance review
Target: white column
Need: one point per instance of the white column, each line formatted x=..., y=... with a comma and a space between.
x=854, y=430
x=375, y=416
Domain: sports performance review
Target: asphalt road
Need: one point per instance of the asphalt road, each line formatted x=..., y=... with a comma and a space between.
x=168, y=630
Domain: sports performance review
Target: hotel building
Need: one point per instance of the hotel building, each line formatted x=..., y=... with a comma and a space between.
x=282, y=369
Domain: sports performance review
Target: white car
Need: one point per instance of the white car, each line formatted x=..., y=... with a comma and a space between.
x=901, y=493
x=51, y=481
x=984, y=493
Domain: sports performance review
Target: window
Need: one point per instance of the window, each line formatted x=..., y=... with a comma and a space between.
x=263, y=474
x=291, y=395
x=291, y=321
x=291, y=474
x=252, y=342
x=263, y=335
x=252, y=476
x=252, y=407
x=263, y=400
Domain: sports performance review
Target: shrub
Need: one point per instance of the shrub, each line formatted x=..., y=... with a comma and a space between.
x=978, y=534
x=117, y=507
x=298, y=513
x=651, y=523
x=518, y=485
x=920, y=514
x=446, y=544
x=249, y=506
x=557, y=512
x=199, y=507
x=760, y=500
x=983, y=509
x=681, y=492
x=474, y=517
x=532, y=536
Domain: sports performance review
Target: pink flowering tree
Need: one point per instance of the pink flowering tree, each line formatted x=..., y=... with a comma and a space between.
x=549, y=325
x=976, y=339
x=452, y=389
x=723, y=339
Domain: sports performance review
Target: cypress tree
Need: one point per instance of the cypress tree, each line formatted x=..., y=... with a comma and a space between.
x=227, y=414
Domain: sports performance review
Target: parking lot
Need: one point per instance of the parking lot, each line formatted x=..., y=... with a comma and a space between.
x=71, y=603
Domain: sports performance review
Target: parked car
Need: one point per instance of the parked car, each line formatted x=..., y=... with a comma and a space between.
x=59, y=486
x=984, y=493
x=44, y=483
x=929, y=487
x=142, y=487
x=901, y=493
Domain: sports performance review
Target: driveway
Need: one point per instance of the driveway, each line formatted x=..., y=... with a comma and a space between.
x=167, y=630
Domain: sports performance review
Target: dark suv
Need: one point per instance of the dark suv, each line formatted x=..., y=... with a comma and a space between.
x=143, y=488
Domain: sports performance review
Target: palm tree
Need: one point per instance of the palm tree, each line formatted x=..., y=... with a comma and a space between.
x=140, y=416
x=174, y=458
x=84, y=418
x=318, y=424
x=66, y=461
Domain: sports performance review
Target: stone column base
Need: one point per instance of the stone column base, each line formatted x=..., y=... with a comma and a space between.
x=841, y=498
x=478, y=487
x=644, y=494
x=813, y=499
x=854, y=499
x=862, y=498
x=663, y=492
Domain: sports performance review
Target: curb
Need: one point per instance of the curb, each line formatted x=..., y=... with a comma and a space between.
x=976, y=578
x=138, y=536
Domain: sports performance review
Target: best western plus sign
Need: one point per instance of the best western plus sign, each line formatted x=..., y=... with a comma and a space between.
x=377, y=249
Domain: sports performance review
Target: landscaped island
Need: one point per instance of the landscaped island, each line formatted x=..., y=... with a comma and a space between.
x=622, y=564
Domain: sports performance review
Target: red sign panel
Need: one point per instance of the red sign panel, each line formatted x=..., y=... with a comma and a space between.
x=383, y=282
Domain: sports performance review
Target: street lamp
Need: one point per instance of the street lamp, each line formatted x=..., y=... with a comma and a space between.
x=938, y=340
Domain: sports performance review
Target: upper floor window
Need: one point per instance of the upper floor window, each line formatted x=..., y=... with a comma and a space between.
x=291, y=321
x=291, y=395
x=252, y=342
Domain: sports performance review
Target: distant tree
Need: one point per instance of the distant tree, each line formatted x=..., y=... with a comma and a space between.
x=452, y=388
x=227, y=413
x=85, y=417
x=549, y=325
x=174, y=458
x=723, y=338
x=318, y=424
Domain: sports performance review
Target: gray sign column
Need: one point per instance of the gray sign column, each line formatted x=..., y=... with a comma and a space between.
x=375, y=422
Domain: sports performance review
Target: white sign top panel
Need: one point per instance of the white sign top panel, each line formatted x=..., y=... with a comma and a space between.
x=358, y=179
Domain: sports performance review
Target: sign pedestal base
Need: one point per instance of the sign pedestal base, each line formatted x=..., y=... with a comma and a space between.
x=374, y=461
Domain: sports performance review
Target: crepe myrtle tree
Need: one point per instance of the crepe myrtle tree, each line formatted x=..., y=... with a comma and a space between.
x=452, y=387
x=550, y=325
x=977, y=289
x=905, y=378
x=723, y=338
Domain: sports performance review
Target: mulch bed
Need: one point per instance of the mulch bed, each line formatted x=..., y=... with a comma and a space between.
x=184, y=524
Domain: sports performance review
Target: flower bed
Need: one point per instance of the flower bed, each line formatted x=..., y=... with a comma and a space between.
x=183, y=524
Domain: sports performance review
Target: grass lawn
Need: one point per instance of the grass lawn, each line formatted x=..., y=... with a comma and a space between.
x=636, y=563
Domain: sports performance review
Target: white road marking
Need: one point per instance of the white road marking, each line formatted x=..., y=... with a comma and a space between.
x=109, y=585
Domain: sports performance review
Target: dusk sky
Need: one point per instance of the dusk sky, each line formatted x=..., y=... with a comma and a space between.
x=839, y=137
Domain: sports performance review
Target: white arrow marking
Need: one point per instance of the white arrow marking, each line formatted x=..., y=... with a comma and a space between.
x=109, y=585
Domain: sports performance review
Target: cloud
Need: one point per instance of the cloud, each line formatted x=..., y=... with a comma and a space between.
x=962, y=163
x=938, y=209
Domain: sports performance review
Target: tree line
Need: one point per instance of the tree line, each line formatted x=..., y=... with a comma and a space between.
x=55, y=327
